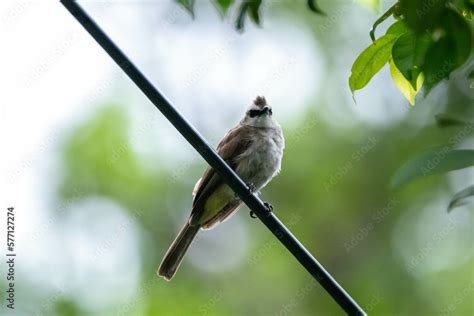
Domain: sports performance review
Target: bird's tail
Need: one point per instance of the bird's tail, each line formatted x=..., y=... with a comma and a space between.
x=175, y=253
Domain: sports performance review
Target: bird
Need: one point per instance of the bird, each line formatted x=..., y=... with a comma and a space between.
x=254, y=150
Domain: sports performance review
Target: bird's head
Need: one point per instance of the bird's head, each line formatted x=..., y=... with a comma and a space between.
x=259, y=114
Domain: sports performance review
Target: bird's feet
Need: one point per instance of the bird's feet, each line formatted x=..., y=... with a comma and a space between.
x=251, y=187
x=269, y=209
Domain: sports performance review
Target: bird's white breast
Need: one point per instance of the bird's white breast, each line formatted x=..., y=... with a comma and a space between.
x=262, y=160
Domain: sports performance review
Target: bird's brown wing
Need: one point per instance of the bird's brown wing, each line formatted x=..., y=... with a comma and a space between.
x=231, y=146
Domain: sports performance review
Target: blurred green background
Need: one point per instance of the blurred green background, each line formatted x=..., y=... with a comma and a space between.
x=124, y=177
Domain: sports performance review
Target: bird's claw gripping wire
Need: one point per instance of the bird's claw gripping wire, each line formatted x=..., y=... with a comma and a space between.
x=251, y=187
x=268, y=207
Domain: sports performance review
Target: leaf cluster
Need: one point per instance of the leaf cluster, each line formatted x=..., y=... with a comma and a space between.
x=247, y=8
x=428, y=41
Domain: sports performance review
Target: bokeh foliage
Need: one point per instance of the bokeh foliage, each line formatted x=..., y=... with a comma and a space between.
x=334, y=187
x=329, y=209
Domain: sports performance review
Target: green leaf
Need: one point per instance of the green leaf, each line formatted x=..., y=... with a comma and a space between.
x=188, y=5
x=469, y=4
x=240, y=21
x=384, y=16
x=433, y=162
x=439, y=63
x=404, y=85
x=250, y=7
x=457, y=28
x=446, y=120
x=464, y=7
x=223, y=5
x=254, y=10
x=371, y=4
x=461, y=198
x=313, y=6
x=421, y=15
x=450, y=51
x=408, y=54
x=398, y=28
x=370, y=61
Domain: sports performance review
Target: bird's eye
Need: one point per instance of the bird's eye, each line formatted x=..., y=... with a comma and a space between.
x=253, y=113
x=270, y=111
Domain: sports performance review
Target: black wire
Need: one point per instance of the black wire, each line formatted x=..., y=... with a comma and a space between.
x=230, y=177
